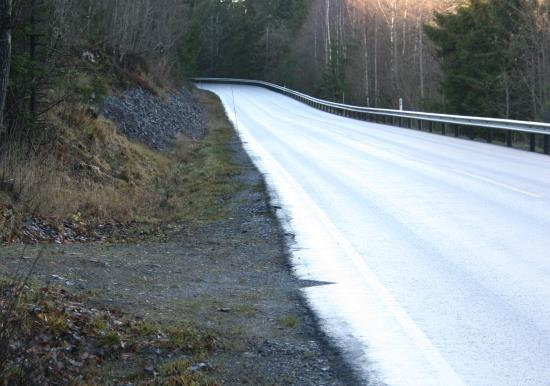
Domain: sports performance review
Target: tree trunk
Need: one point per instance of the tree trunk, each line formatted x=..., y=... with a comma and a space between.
x=328, y=53
x=33, y=45
x=421, y=60
x=5, y=52
x=375, y=63
x=366, y=58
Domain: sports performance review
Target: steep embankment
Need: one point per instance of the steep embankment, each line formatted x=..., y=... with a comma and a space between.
x=84, y=176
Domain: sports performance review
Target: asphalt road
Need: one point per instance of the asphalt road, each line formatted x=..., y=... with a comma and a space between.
x=437, y=249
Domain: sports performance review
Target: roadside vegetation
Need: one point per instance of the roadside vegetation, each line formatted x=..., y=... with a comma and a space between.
x=88, y=174
x=49, y=336
x=194, y=291
x=87, y=177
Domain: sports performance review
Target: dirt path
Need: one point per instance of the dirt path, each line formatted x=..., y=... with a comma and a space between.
x=229, y=278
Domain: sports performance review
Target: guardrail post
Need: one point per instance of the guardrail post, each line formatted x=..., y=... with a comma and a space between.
x=509, y=138
x=546, y=143
x=444, y=128
x=489, y=135
x=430, y=126
x=471, y=133
x=457, y=131
x=532, y=142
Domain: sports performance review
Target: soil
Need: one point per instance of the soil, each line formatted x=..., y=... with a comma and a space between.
x=230, y=278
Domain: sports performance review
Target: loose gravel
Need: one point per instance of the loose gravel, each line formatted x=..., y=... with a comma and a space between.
x=154, y=120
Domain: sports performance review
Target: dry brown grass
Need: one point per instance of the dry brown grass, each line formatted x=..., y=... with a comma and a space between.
x=94, y=173
x=91, y=170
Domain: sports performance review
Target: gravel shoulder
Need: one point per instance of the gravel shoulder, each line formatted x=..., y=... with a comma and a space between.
x=229, y=277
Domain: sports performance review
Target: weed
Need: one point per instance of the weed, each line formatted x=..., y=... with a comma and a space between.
x=110, y=340
x=98, y=323
x=289, y=321
x=246, y=310
x=175, y=367
x=190, y=340
x=147, y=329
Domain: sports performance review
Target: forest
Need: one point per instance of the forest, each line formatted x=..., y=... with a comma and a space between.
x=475, y=57
x=139, y=243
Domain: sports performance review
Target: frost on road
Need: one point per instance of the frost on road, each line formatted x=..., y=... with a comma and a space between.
x=437, y=250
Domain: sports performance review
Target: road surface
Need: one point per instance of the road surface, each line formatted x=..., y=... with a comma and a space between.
x=436, y=250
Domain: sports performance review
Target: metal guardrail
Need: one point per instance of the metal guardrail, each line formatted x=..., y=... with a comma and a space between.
x=533, y=136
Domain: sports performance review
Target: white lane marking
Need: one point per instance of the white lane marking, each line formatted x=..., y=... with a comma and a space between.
x=497, y=183
x=430, y=352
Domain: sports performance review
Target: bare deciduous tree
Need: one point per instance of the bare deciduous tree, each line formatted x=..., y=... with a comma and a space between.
x=5, y=51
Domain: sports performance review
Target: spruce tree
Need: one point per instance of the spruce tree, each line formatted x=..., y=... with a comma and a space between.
x=478, y=54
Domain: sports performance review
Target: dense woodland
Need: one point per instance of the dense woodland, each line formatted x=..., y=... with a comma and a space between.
x=478, y=57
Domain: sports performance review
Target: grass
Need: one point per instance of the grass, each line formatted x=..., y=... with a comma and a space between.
x=201, y=177
x=92, y=346
x=86, y=169
x=92, y=174
x=97, y=175
x=289, y=321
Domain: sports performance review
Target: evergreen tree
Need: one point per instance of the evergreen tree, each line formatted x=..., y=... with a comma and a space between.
x=248, y=38
x=333, y=79
x=476, y=46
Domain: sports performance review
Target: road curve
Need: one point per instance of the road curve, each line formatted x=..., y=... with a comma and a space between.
x=437, y=249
